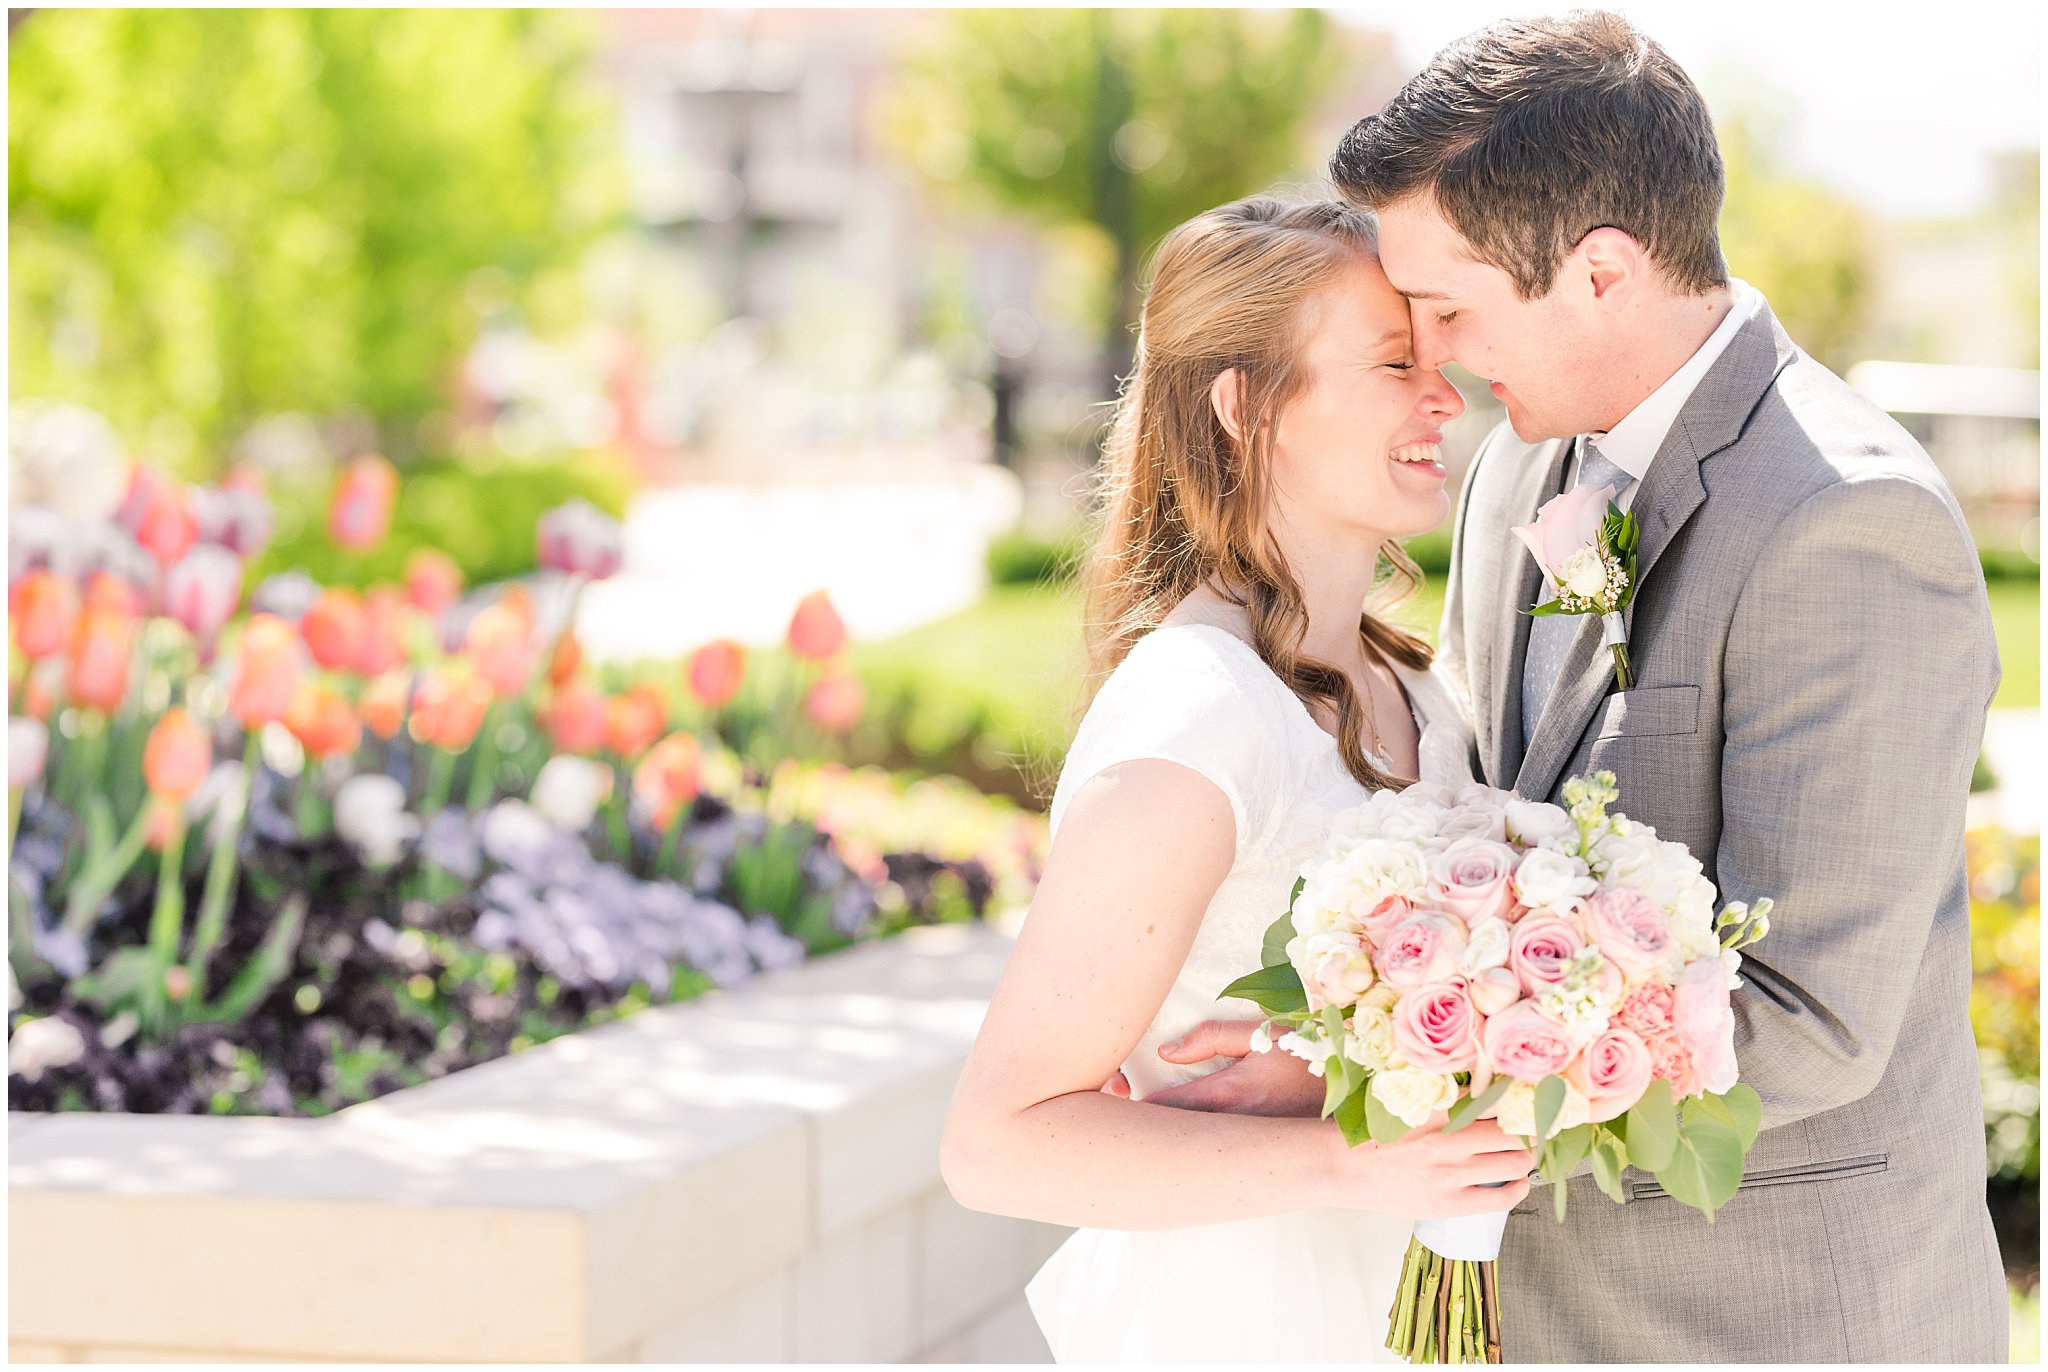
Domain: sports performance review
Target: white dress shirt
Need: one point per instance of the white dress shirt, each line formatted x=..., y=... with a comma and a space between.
x=1631, y=444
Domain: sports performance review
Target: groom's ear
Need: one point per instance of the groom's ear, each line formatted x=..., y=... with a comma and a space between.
x=1612, y=264
x=1226, y=397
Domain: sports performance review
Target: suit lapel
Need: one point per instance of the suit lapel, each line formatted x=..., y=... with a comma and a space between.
x=1497, y=686
x=1671, y=492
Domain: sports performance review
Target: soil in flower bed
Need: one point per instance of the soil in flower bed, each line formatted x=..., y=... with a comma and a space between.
x=536, y=938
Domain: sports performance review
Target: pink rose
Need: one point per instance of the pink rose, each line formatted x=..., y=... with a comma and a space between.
x=1703, y=1022
x=1335, y=967
x=1424, y=948
x=1494, y=990
x=1670, y=1062
x=1646, y=1010
x=1436, y=1028
x=1564, y=525
x=1386, y=917
x=1611, y=1073
x=1473, y=879
x=1541, y=951
x=1525, y=1042
x=1629, y=928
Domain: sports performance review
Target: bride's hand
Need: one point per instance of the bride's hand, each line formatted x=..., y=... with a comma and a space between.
x=1428, y=1174
x=1276, y=1085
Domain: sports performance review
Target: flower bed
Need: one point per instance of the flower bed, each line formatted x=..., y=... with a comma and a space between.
x=285, y=861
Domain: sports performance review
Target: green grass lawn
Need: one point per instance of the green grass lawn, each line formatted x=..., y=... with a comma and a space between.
x=2016, y=619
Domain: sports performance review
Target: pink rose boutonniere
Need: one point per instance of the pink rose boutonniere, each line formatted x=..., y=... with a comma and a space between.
x=1588, y=546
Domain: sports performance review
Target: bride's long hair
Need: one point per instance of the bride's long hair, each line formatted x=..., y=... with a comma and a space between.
x=1184, y=503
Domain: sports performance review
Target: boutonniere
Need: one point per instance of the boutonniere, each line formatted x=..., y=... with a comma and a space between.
x=1588, y=546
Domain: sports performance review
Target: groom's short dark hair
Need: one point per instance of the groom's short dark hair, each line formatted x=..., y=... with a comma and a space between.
x=1531, y=133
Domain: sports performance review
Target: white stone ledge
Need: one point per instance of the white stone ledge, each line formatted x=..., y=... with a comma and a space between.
x=752, y=1176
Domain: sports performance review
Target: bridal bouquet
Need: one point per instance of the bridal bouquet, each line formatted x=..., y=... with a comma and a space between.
x=1560, y=970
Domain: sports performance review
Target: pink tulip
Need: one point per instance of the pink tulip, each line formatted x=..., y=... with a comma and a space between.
x=816, y=631
x=432, y=580
x=361, y=510
x=177, y=757
x=334, y=629
x=715, y=672
x=201, y=591
x=1564, y=525
x=42, y=607
x=158, y=513
x=101, y=647
x=835, y=704
x=236, y=517
x=582, y=540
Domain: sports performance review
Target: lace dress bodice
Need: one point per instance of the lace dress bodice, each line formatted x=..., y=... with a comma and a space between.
x=1198, y=695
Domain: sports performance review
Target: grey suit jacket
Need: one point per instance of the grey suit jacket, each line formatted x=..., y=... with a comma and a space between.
x=1813, y=658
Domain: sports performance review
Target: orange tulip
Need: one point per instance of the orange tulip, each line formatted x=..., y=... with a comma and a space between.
x=667, y=778
x=715, y=672
x=575, y=717
x=267, y=676
x=42, y=607
x=334, y=629
x=835, y=703
x=385, y=613
x=432, y=580
x=166, y=818
x=449, y=709
x=497, y=645
x=177, y=757
x=101, y=646
x=568, y=657
x=383, y=703
x=39, y=691
x=105, y=591
x=634, y=720
x=322, y=722
x=815, y=630
x=361, y=510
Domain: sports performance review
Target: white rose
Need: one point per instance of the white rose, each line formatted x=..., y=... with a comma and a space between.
x=1346, y=888
x=1335, y=967
x=1584, y=573
x=1370, y=1043
x=1553, y=881
x=1315, y=1052
x=1351, y=827
x=1381, y=997
x=43, y=1045
x=1516, y=1111
x=1486, y=947
x=1538, y=824
x=1412, y=1094
x=1473, y=821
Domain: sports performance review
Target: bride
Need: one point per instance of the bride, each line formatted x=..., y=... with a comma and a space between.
x=1275, y=441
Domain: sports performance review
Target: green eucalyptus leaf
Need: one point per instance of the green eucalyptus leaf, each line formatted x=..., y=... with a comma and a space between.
x=1549, y=1100
x=1273, y=951
x=1706, y=1165
x=1341, y=1077
x=1468, y=1109
x=1569, y=1149
x=1739, y=1106
x=1276, y=990
x=1384, y=1124
x=1609, y=1154
x=1548, y=607
x=1652, y=1129
x=1352, y=1117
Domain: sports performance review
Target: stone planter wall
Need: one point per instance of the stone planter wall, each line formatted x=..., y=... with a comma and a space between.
x=748, y=1177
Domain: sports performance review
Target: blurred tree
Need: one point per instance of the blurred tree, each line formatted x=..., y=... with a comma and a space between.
x=221, y=214
x=1808, y=249
x=1129, y=120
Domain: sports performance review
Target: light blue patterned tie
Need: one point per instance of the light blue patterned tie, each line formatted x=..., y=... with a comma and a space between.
x=1550, y=637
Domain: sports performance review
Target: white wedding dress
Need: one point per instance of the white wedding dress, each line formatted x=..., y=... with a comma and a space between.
x=1311, y=1285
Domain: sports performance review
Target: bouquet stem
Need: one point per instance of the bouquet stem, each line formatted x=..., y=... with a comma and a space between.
x=1445, y=1310
x=1623, y=678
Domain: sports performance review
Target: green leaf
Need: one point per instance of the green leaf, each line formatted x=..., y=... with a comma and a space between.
x=1652, y=1129
x=1341, y=1077
x=268, y=965
x=1549, y=1100
x=1276, y=990
x=1739, y=1106
x=1383, y=1124
x=1569, y=1149
x=1609, y=1155
x=1273, y=951
x=1548, y=607
x=1352, y=1117
x=1467, y=1110
x=1706, y=1165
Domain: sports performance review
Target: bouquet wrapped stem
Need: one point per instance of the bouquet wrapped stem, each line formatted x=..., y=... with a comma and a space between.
x=1445, y=1309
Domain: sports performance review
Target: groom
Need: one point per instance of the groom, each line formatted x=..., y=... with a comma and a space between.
x=1812, y=656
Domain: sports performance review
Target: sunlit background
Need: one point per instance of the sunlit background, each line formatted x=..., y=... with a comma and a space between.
x=660, y=441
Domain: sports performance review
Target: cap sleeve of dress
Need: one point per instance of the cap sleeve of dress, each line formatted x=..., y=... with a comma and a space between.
x=1191, y=695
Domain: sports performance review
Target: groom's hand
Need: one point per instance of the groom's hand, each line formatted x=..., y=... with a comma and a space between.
x=1272, y=1084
